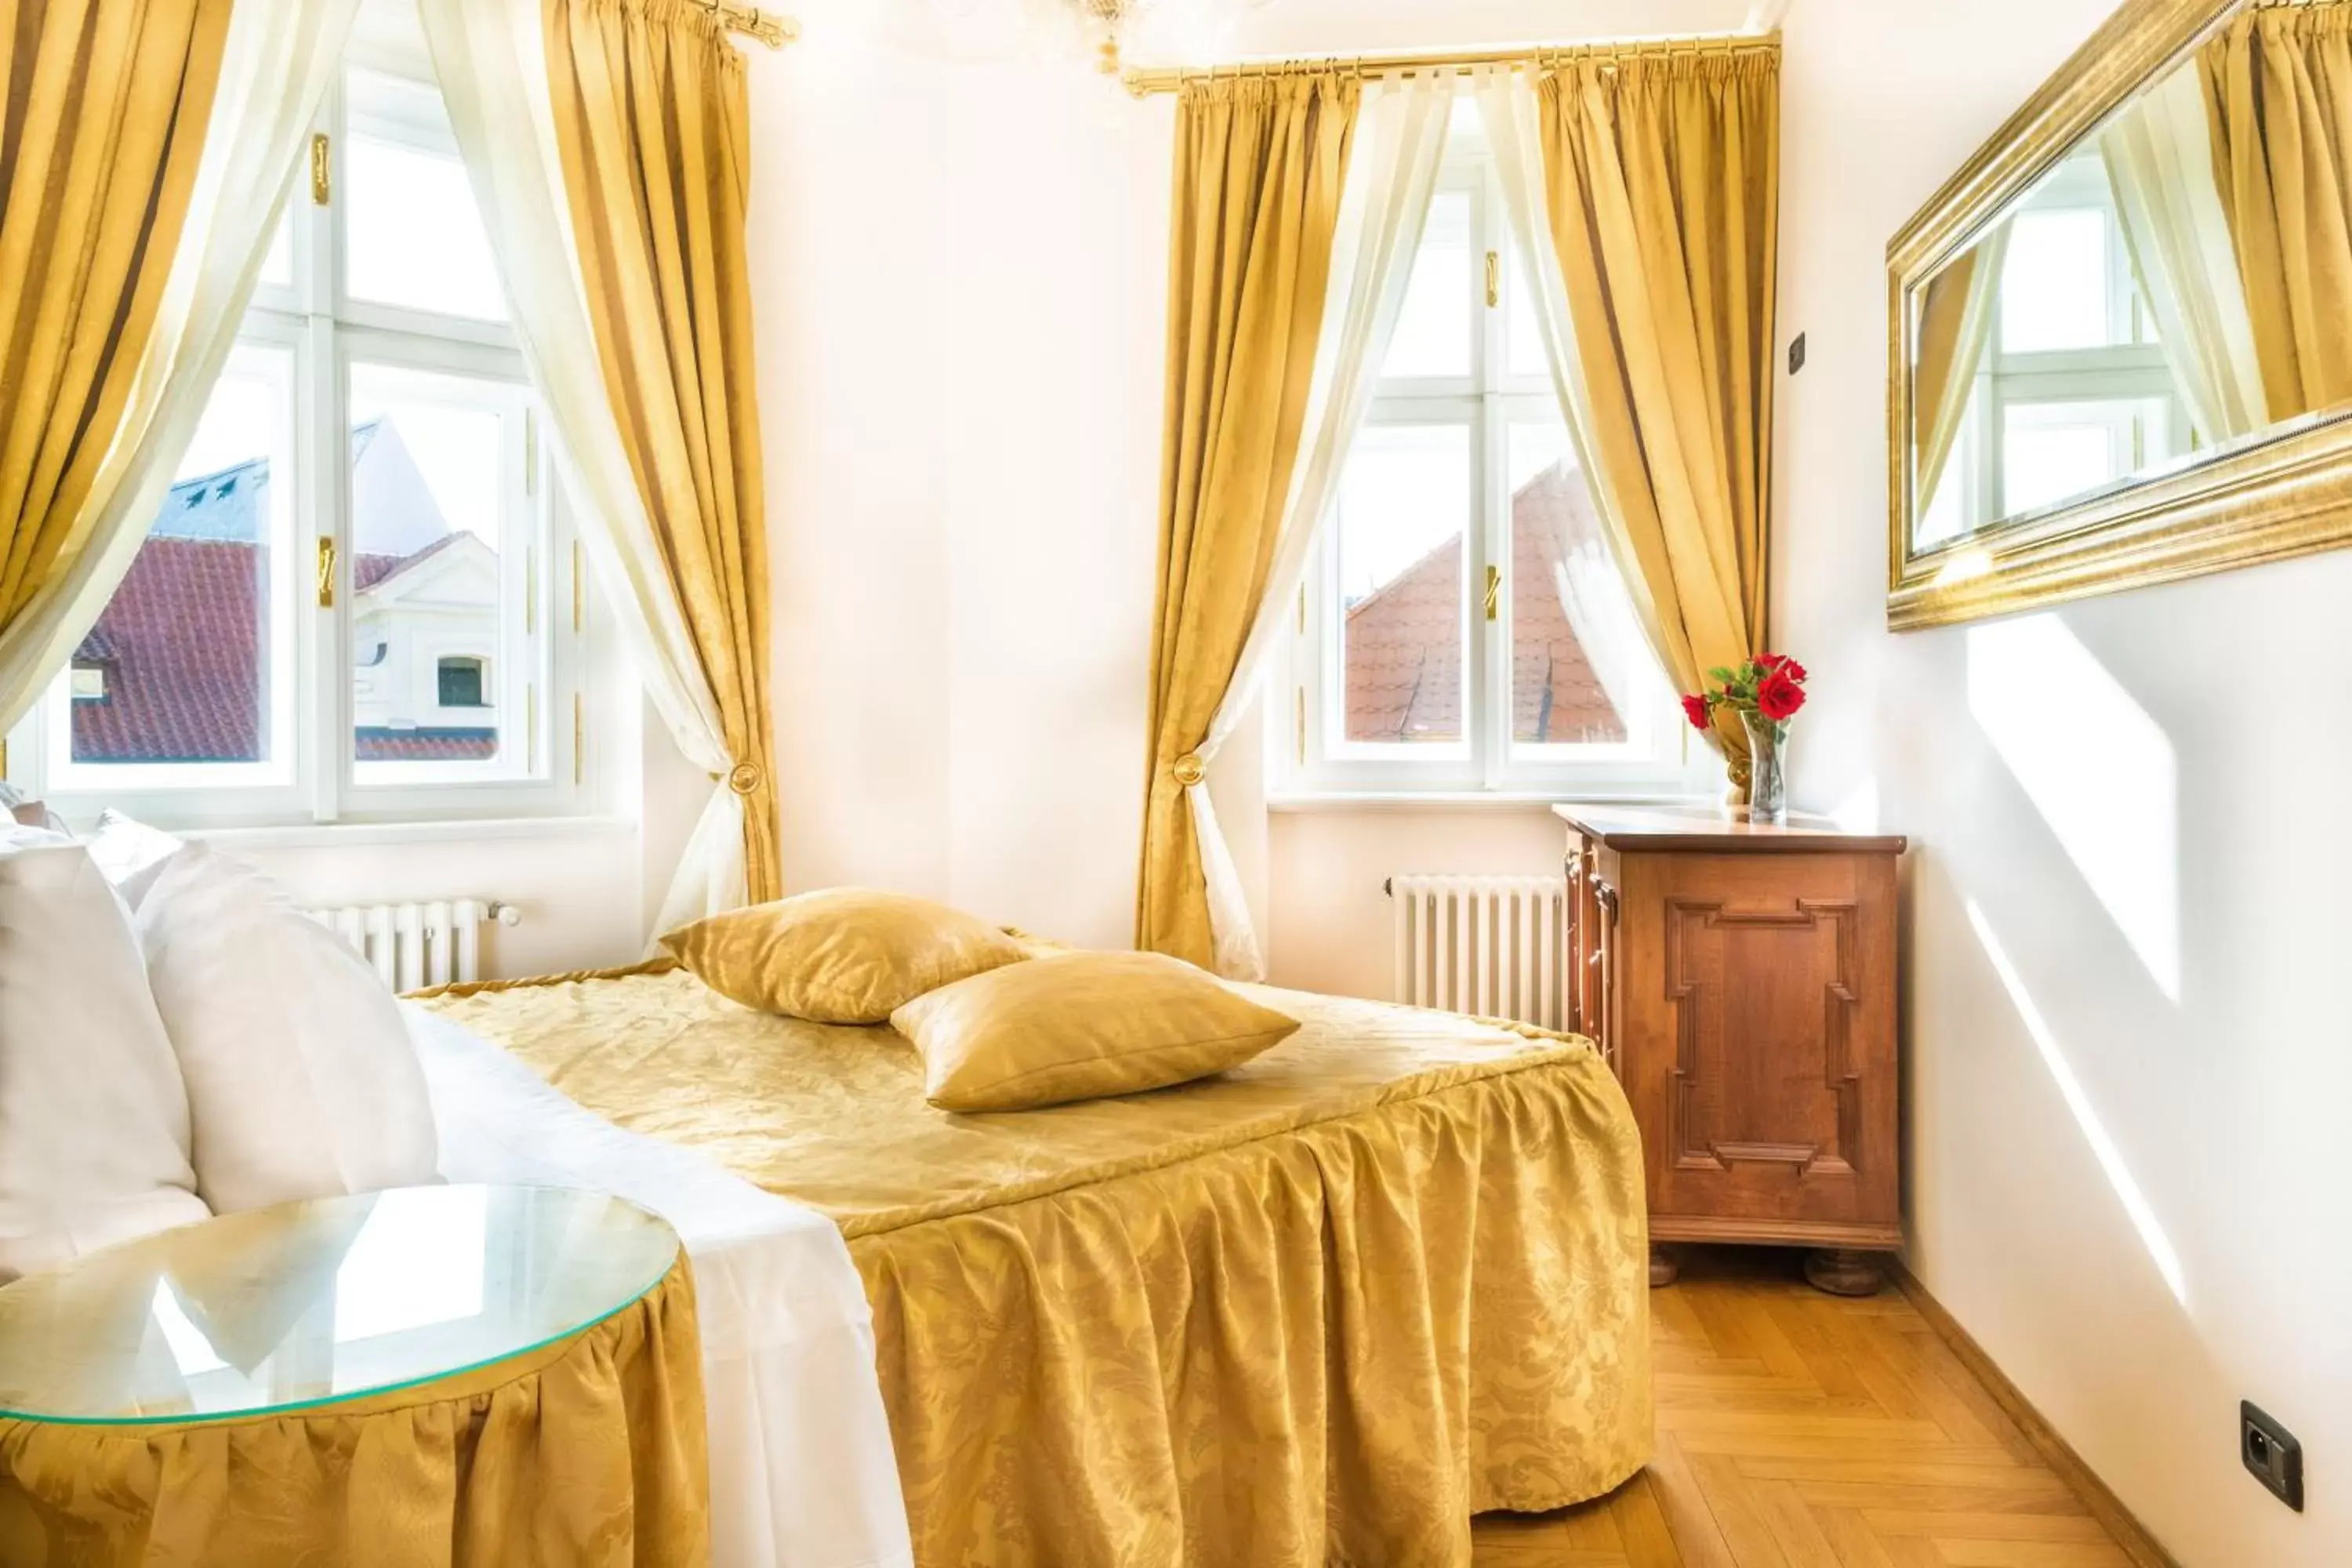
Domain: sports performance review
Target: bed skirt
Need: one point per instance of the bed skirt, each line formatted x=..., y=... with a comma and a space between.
x=1332, y=1346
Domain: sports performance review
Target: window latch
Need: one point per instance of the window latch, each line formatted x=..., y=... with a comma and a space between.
x=1494, y=591
x=326, y=574
x=322, y=179
x=1494, y=279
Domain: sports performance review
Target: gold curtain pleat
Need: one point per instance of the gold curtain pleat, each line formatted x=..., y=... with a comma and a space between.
x=652, y=125
x=2278, y=95
x=1663, y=179
x=1955, y=324
x=1938, y=394
x=590, y=1451
x=105, y=106
x=1260, y=163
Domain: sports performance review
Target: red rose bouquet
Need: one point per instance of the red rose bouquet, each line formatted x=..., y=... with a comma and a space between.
x=1770, y=685
x=1766, y=692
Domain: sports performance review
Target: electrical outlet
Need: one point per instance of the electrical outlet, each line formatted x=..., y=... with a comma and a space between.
x=2271, y=1453
x=1796, y=354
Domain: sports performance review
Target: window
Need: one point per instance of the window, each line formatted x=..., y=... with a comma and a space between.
x=1462, y=626
x=357, y=599
x=2073, y=392
x=461, y=683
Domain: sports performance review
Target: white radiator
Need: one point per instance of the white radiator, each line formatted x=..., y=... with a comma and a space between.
x=1495, y=946
x=415, y=945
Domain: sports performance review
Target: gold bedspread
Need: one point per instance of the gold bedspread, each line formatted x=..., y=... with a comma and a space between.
x=1317, y=1311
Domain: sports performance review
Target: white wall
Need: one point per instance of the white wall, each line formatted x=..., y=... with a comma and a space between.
x=1330, y=926
x=961, y=257
x=2127, y=1051
x=959, y=321
x=587, y=890
x=575, y=884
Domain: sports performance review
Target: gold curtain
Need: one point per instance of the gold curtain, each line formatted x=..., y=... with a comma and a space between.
x=653, y=130
x=1938, y=394
x=1260, y=163
x=103, y=108
x=2278, y=95
x=1955, y=323
x=1663, y=177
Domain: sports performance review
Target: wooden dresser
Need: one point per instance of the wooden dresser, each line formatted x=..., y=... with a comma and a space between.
x=1742, y=978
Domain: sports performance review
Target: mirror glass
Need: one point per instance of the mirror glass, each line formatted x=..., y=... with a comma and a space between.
x=2175, y=285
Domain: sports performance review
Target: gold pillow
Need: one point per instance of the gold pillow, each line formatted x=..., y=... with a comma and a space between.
x=845, y=955
x=1080, y=1025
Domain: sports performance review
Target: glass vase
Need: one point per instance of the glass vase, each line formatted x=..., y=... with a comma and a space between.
x=1767, y=756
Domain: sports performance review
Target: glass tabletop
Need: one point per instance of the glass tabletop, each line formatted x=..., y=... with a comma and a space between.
x=308, y=1303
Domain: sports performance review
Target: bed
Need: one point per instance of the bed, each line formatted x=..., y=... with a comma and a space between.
x=802, y=1474
x=1319, y=1309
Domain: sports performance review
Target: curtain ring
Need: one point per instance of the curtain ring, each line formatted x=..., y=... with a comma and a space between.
x=1189, y=769
x=745, y=778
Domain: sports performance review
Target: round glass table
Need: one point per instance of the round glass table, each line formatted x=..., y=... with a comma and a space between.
x=500, y=1372
x=282, y=1308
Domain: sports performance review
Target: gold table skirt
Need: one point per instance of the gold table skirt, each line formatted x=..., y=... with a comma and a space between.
x=587, y=1453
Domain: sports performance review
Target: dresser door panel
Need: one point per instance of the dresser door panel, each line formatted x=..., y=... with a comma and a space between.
x=1758, y=1034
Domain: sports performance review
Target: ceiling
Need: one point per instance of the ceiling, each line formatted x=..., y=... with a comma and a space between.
x=1341, y=26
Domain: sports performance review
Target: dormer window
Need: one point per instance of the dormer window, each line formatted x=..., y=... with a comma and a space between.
x=90, y=683
x=462, y=684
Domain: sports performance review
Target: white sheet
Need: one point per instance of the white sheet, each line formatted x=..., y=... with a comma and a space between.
x=802, y=1474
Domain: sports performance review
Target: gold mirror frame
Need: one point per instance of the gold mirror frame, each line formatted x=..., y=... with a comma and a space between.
x=2288, y=495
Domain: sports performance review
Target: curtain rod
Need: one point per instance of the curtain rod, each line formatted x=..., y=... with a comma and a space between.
x=1142, y=81
x=751, y=22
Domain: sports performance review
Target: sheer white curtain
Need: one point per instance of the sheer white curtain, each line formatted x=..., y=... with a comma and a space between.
x=1380, y=217
x=279, y=61
x=2159, y=159
x=492, y=58
x=1605, y=603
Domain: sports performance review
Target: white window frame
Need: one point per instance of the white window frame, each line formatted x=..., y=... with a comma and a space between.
x=2131, y=368
x=312, y=775
x=1308, y=756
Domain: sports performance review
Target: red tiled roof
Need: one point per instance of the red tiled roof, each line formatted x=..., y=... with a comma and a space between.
x=180, y=646
x=1404, y=646
x=1403, y=640
x=423, y=745
x=1556, y=698
x=367, y=571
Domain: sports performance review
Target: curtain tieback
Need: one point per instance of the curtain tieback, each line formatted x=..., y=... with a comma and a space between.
x=1189, y=769
x=743, y=778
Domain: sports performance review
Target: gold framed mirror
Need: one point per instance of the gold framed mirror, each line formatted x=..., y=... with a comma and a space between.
x=2121, y=336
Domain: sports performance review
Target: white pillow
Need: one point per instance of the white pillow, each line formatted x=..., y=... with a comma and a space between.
x=131, y=853
x=94, y=1134
x=301, y=1080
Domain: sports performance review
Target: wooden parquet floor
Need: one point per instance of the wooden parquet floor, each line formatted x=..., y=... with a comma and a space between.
x=1799, y=1430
